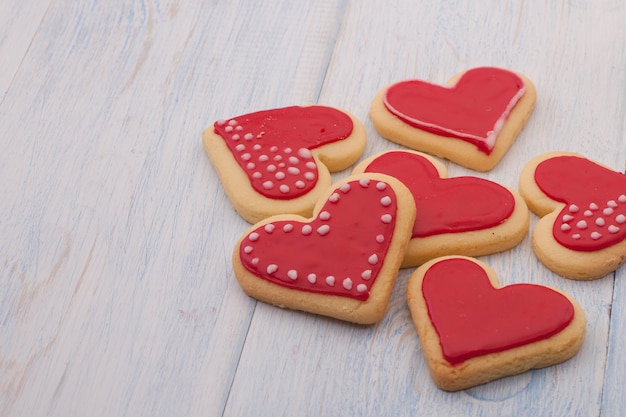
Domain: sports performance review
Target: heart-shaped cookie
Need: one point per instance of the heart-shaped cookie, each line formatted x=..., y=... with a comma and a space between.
x=340, y=263
x=278, y=161
x=473, y=331
x=582, y=234
x=473, y=121
x=463, y=215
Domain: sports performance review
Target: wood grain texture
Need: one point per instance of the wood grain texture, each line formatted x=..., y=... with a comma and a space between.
x=116, y=289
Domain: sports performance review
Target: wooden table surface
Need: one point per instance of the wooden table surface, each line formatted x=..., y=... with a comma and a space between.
x=117, y=296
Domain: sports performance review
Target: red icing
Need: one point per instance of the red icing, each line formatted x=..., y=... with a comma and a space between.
x=348, y=239
x=446, y=205
x=272, y=146
x=594, y=216
x=472, y=318
x=474, y=109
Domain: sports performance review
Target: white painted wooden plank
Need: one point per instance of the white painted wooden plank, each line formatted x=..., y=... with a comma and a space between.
x=614, y=400
x=298, y=364
x=117, y=291
x=19, y=20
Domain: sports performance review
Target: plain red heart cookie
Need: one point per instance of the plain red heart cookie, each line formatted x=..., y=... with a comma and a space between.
x=279, y=161
x=463, y=215
x=473, y=331
x=472, y=121
x=582, y=233
x=342, y=262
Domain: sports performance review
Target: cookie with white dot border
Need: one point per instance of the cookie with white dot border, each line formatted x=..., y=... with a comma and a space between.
x=279, y=160
x=472, y=121
x=582, y=204
x=340, y=263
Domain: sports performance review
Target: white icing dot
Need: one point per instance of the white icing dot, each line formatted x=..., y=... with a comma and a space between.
x=257, y=175
x=364, y=182
x=257, y=147
x=268, y=185
x=233, y=122
x=248, y=249
x=324, y=215
x=271, y=268
x=228, y=129
x=345, y=187
x=278, y=158
x=596, y=235
x=240, y=147
x=239, y=128
x=293, y=160
x=588, y=213
x=380, y=186
x=299, y=184
x=613, y=229
x=565, y=227
x=221, y=122
x=581, y=224
x=235, y=137
x=593, y=206
x=607, y=211
x=307, y=229
x=380, y=238
x=248, y=136
x=334, y=197
x=271, y=168
x=573, y=208
x=250, y=165
x=280, y=175
x=323, y=229
x=386, y=200
x=293, y=171
x=292, y=274
x=347, y=284
x=620, y=218
x=622, y=198
x=254, y=236
x=312, y=278
x=611, y=203
x=386, y=218
x=309, y=176
x=304, y=153
x=281, y=165
x=600, y=221
x=287, y=227
x=361, y=288
x=367, y=274
x=311, y=165
x=255, y=261
x=567, y=217
x=287, y=150
x=246, y=156
x=264, y=158
x=269, y=228
x=576, y=236
x=284, y=188
x=330, y=280
x=273, y=148
x=373, y=260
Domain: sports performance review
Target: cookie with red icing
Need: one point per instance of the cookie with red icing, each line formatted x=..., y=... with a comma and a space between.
x=279, y=161
x=340, y=263
x=473, y=331
x=472, y=121
x=582, y=204
x=455, y=216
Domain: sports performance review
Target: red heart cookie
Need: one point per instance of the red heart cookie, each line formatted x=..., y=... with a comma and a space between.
x=357, y=236
x=584, y=235
x=472, y=121
x=472, y=331
x=267, y=160
x=463, y=215
x=473, y=109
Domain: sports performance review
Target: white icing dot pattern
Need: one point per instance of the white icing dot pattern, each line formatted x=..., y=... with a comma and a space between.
x=596, y=220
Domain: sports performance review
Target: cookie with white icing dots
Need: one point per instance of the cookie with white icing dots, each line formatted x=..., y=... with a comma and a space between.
x=582, y=232
x=473, y=331
x=279, y=161
x=455, y=216
x=472, y=121
x=340, y=263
